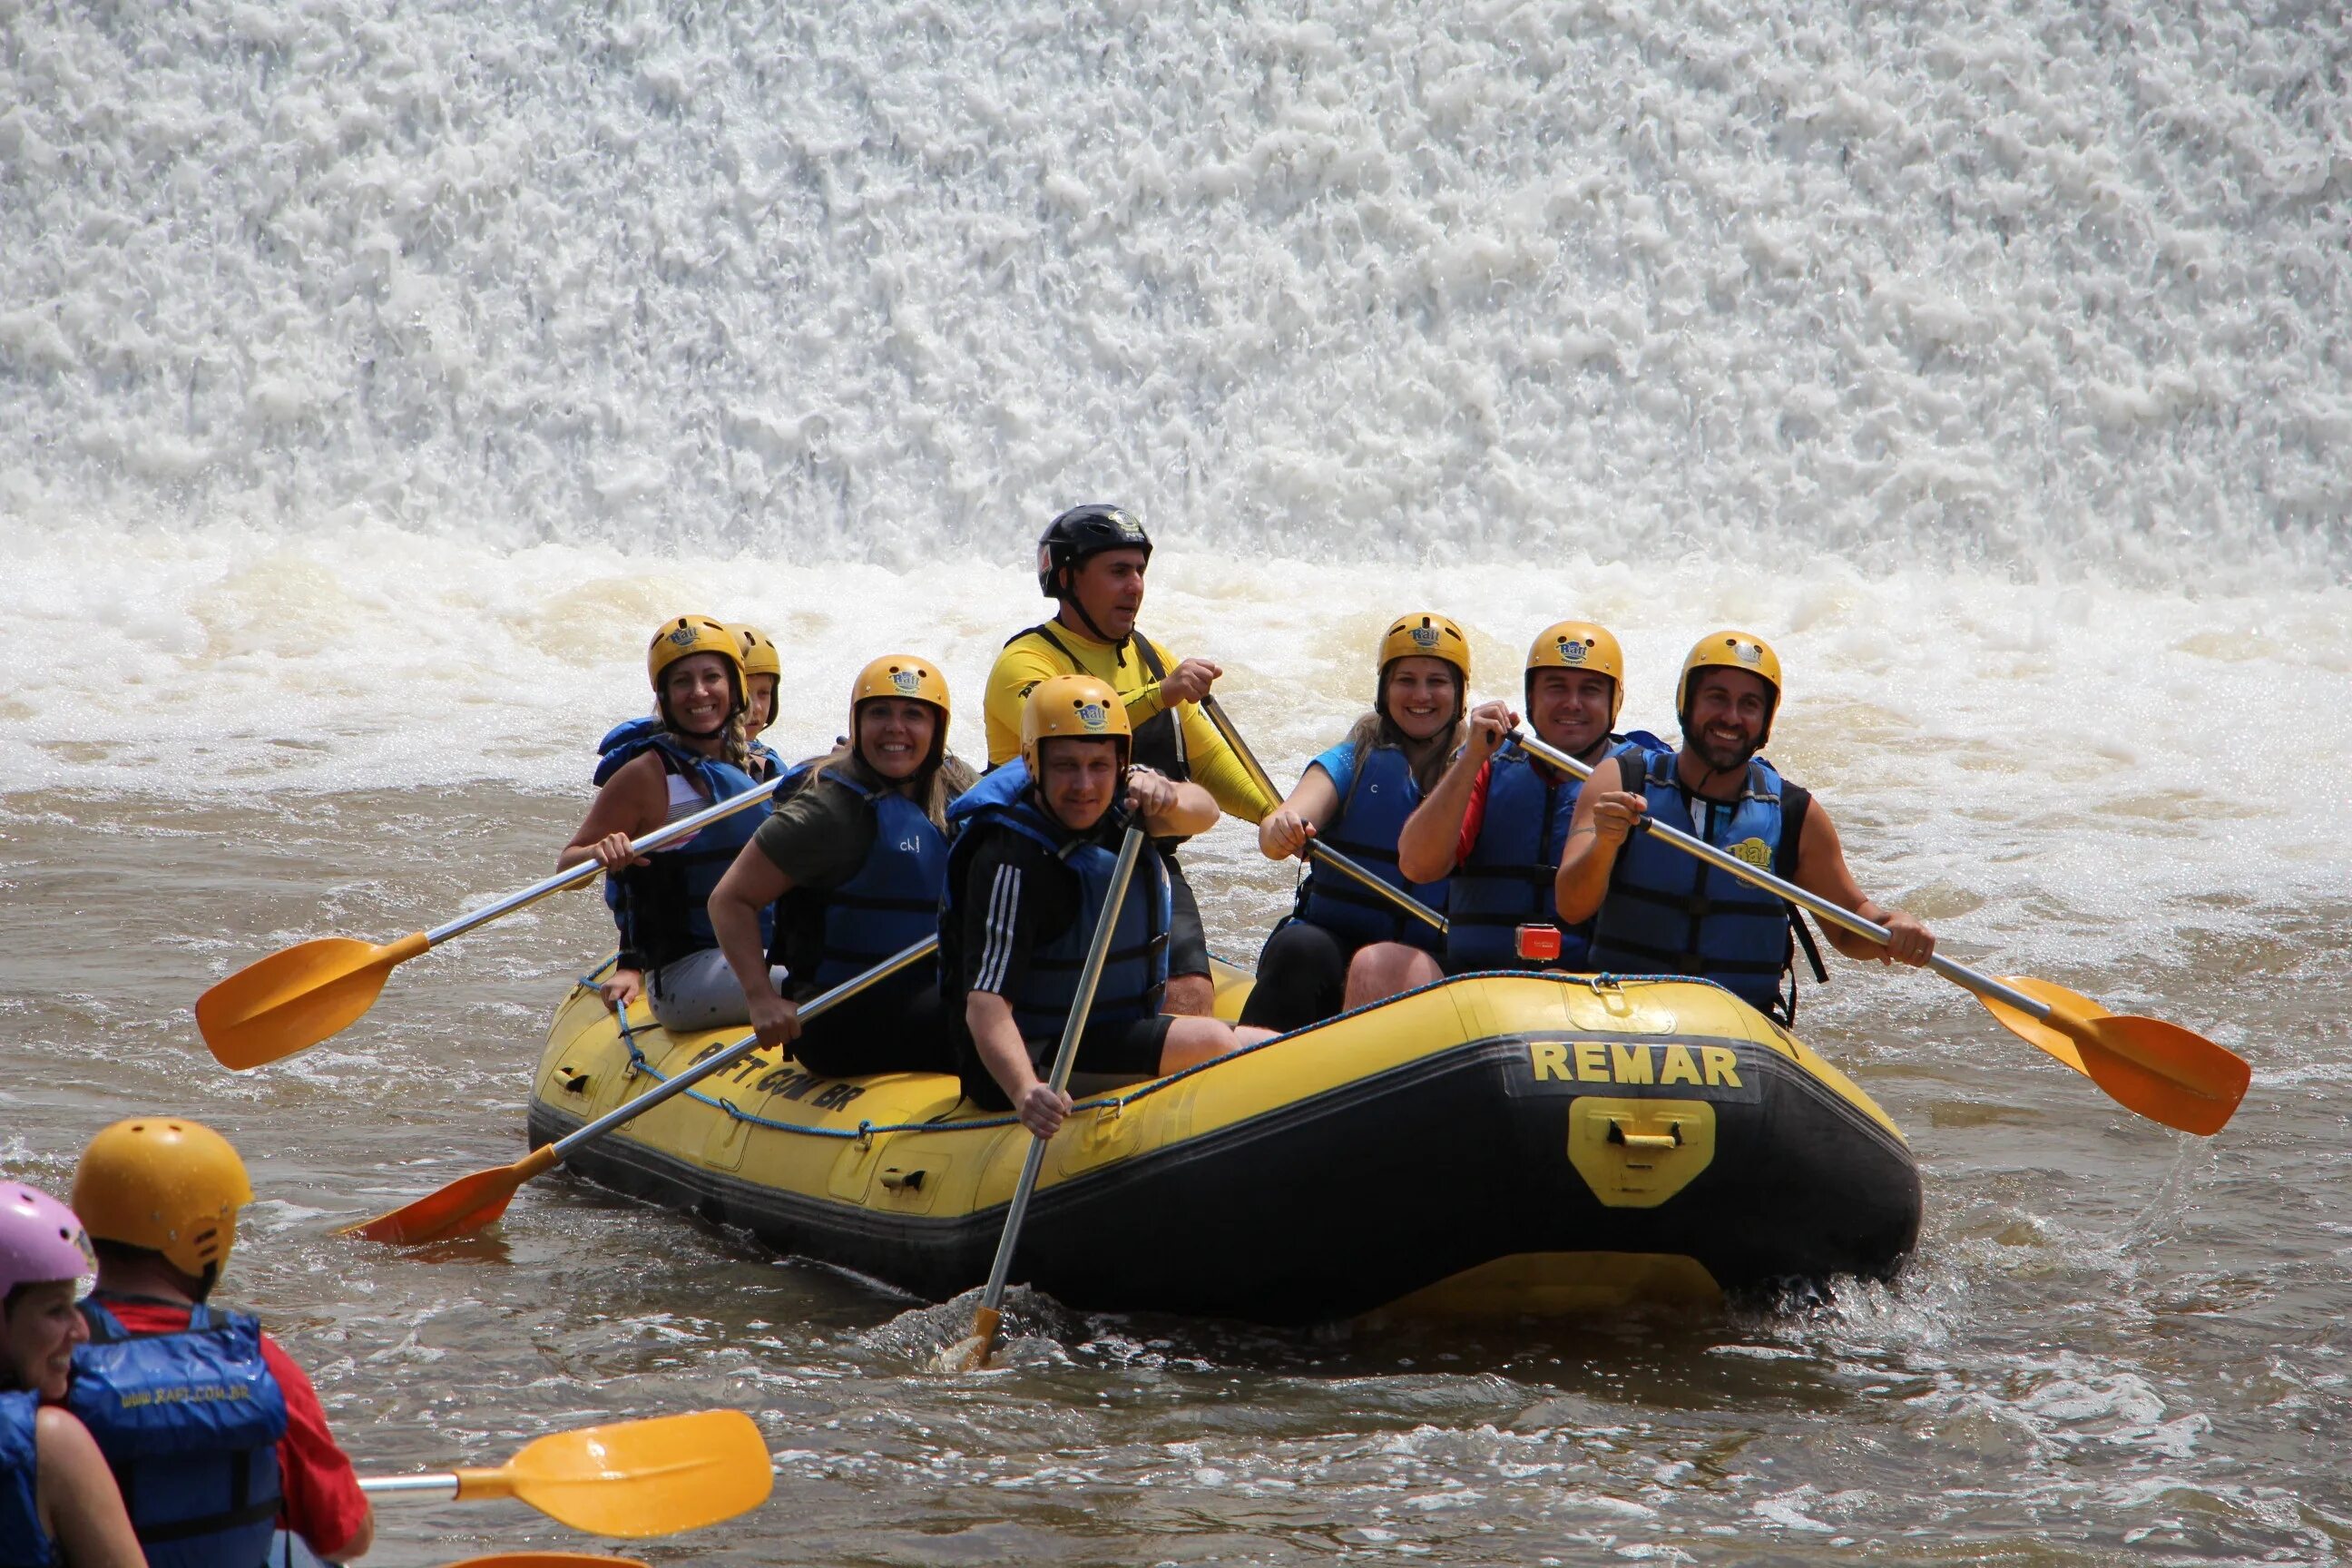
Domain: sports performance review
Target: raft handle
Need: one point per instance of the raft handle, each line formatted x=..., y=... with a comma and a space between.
x=1670, y=1138
x=899, y=1181
x=573, y=1080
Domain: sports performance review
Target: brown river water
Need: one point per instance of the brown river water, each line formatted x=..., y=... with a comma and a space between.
x=2116, y=1344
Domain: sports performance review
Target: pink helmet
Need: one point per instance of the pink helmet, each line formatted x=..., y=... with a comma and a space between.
x=41, y=1239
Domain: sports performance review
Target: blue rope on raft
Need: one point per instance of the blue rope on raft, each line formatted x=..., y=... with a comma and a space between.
x=639, y=1063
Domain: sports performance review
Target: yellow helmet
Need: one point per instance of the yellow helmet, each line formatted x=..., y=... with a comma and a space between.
x=1579, y=644
x=683, y=639
x=166, y=1184
x=902, y=675
x=1425, y=636
x=759, y=655
x=1732, y=650
x=1073, y=706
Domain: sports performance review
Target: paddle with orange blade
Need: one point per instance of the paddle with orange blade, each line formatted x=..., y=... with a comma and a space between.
x=2160, y=1070
x=474, y=1201
x=632, y=1479
x=293, y=999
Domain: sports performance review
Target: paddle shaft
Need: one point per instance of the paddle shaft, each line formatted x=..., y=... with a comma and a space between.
x=1837, y=915
x=1321, y=851
x=442, y=1487
x=589, y=869
x=817, y=1006
x=1098, y=950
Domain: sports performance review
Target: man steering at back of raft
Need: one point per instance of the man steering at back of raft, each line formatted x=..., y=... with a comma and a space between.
x=1661, y=911
x=1344, y=946
x=858, y=856
x=215, y=1434
x=1092, y=560
x=696, y=758
x=1028, y=877
x=1500, y=818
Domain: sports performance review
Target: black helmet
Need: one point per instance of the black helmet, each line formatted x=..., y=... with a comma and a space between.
x=1081, y=532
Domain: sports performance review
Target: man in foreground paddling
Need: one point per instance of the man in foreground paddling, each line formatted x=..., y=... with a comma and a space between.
x=1092, y=561
x=1498, y=818
x=215, y=1434
x=1659, y=910
x=1028, y=879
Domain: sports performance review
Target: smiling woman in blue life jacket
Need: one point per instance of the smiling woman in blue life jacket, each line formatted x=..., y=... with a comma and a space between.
x=1661, y=911
x=59, y=1507
x=1343, y=946
x=696, y=758
x=857, y=856
x=1499, y=820
x=1028, y=879
x=215, y=1435
x=764, y=671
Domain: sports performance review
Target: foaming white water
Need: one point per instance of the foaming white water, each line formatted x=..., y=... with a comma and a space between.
x=2057, y=287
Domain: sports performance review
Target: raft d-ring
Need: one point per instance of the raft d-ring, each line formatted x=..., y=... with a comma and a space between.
x=864, y=1134
x=1110, y=1109
x=1612, y=993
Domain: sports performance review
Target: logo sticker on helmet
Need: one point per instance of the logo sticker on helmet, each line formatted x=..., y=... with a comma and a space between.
x=907, y=681
x=1093, y=716
x=1748, y=652
x=1423, y=637
x=686, y=636
x=1572, y=651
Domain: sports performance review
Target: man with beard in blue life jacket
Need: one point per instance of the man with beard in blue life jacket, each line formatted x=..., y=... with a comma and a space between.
x=698, y=756
x=1028, y=879
x=1499, y=819
x=1092, y=561
x=854, y=863
x=215, y=1435
x=1658, y=910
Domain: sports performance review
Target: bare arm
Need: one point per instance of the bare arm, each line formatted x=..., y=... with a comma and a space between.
x=79, y=1504
x=633, y=803
x=1169, y=808
x=751, y=884
x=1605, y=812
x=1821, y=870
x=1006, y=1056
x=1426, y=849
x=1287, y=828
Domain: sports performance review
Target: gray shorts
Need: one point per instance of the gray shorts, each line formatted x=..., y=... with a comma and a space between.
x=699, y=992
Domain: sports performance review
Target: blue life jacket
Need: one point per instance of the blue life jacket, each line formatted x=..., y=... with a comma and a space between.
x=1668, y=912
x=1135, y=971
x=189, y=1422
x=632, y=737
x=1370, y=821
x=892, y=901
x=662, y=908
x=23, y=1542
x=1508, y=878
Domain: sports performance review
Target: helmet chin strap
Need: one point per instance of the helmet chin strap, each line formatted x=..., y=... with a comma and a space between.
x=1070, y=597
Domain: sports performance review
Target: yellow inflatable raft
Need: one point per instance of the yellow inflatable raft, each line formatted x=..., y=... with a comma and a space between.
x=1494, y=1143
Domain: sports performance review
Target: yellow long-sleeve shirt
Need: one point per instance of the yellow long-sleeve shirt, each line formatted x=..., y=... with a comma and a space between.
x=1030, y=658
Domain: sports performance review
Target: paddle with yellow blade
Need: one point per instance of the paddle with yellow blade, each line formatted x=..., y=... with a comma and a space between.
x=2161, y=1070
x=632, y=1479
x=1316, y=846
x=293, y=999
x=474, y=1201
x=971, y=1353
